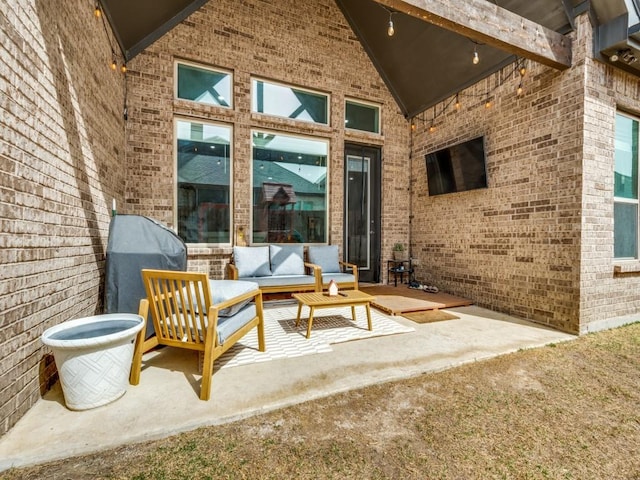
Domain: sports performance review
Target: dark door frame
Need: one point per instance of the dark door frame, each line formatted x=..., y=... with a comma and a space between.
x=374, y=154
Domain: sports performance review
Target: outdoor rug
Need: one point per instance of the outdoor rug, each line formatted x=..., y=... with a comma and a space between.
x=429, y=316
x=284, y=340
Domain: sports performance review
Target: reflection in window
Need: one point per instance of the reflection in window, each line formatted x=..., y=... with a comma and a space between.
x=289, y=102
x=362, y=116
x=204, y=85
x=204, y=173
x=289, y=189
x=625, y=232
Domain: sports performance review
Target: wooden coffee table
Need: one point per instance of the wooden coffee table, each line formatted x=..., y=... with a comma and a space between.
x=345, y=298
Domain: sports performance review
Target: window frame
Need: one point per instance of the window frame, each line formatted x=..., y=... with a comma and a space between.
x=176, y=217
x=208, y=68
x=326, y=95
x=327, y=193
x=363, y=103
x=625, y=200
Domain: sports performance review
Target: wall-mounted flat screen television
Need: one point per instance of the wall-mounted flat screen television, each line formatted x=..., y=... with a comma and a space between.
x=457, y=168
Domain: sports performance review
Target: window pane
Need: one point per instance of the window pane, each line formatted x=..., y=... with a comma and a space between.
x=203, y=153
x=364, y=117
x=204, y=85
x=289, y=189
x=289, y=102
x=626, y=164
x=625, y=233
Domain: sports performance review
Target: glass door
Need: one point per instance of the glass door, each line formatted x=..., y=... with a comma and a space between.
x=362, y=210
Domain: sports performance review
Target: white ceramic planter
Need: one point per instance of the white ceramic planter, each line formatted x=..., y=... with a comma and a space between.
x=93, y=356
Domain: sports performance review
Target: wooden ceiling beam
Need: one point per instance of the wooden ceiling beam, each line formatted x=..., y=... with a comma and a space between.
x=484, y=22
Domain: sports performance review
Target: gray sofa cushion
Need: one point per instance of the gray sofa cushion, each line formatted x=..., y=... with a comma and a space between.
x=283, y=280
x=252, y=261
x=326, y=256
x=286, y=259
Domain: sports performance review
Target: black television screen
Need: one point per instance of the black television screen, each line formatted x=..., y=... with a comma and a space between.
x=457, y=168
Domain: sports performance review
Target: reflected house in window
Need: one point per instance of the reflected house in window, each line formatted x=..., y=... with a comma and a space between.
x=289, y=204
x=289, y=185
x=278, y=202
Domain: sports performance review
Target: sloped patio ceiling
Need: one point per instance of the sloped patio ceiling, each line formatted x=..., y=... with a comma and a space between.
x=421, y=64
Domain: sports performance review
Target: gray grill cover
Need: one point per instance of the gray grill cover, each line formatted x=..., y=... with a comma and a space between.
x=137, y=242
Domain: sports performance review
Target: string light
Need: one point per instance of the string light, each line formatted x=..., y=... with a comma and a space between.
x=519, y=91
x=390, y=29
x=487, y=104
x=97, y=12
x=114, y=64
x=457, y=101
x=123, y=68
x=432, y=128
x=476, y=58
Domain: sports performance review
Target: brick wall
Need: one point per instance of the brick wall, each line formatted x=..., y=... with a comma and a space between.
x=308, y=44
x=608, y=299
x=514, y=247
x=538, y=243
x=61, y=157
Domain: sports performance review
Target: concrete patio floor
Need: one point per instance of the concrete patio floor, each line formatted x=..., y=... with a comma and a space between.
x=166, y=401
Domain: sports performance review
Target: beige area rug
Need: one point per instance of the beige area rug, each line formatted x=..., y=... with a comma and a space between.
x=284, y=340
x=402, y=299
x=429, y=316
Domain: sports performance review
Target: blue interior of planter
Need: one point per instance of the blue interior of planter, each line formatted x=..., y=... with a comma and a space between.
x=95, y=329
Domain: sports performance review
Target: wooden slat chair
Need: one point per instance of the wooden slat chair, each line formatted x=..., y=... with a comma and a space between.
x=184, y=315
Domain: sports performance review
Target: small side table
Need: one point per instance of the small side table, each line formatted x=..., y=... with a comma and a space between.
x=399, y=268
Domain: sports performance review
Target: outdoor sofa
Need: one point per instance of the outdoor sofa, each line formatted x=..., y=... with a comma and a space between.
x=282, y=268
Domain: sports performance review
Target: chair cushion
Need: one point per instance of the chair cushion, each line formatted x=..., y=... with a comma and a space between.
x=221, y=291
x=252, y=261
x=227, y=326
x=286, y=259
x=326, y=256
x=338, y=278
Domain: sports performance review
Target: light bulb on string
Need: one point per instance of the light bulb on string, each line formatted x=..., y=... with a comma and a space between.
x=123, y=68
x=519, y=91
x=476, y=58
x=432, y=128
x=457, y=102
x=114, y=64
x=97, y=12
x=390, y=29
x=523, y=70
x=487, y=104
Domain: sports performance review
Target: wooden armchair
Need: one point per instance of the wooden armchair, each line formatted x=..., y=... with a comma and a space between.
x=190, y=311
x=326, y=257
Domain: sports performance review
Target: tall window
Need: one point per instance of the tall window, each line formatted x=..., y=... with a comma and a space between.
x=203, y=85
x=289, y=188
x=204, y=182
x=625, y=209
x=362, y=116
x=289, y=102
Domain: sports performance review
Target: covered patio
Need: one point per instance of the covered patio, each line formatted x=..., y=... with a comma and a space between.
x=93, y=123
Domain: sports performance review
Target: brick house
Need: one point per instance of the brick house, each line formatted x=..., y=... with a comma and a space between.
x=553, y=238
